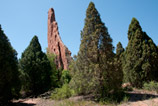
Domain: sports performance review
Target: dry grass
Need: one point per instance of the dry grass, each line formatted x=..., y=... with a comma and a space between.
x=75, y=103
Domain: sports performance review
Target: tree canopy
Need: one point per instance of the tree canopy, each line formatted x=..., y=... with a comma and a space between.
x=141, y=56
x=35, y=68
x=94, y=63
x=9, y=75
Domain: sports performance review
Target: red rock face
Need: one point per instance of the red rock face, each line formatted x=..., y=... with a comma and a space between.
x=55, y=44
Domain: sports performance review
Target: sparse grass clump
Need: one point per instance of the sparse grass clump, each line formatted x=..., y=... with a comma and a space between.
x=115, y=98
x=151, y=86
x=62, y=93
x=77, y=103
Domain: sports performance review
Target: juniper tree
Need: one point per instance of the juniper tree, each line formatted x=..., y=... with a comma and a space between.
x=36, y=68
x=141, y=56
x=9, y=75
x=119, y=61
x=95, y=70
x=55, y=77
x=119, y=49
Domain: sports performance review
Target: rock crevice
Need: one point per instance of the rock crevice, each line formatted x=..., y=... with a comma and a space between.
x=55, y=44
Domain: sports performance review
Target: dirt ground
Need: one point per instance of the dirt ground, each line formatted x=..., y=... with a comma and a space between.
x=137, y=98
x=141, y=98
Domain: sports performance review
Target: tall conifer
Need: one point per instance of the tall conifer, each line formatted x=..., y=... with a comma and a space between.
x=94, y=71
x=9, y=75
x=141, y=56
x=36, y=68
x=119, y=49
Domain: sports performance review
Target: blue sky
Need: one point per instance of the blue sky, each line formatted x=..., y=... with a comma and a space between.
x=22, y=19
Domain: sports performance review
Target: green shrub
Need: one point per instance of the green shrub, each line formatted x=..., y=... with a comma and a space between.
x=151, y=86
x=127, y=87
x=113, y=98
x=62, y=93
x=55, y=73
x=65, y=77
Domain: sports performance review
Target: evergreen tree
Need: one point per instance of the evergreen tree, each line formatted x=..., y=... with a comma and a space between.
x=65, y=77
x=119, y=49
x=118, y=62
x=141, y=56
x=9, y=75
x=35, y=68
x=94, y=65
x=55, y=73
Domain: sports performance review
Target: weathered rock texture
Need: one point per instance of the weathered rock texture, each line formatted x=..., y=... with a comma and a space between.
x=55, y=44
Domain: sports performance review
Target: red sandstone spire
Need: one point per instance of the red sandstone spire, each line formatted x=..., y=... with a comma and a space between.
x=51, y=15
x=55, y=44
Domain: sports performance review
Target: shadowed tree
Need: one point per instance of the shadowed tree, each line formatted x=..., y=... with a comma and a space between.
x=119, y=49
x=9, y=75
x=35, y=68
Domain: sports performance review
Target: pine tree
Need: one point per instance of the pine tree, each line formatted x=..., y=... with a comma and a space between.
x=141, y=56
x=94, y=64
x=9, y=75
x=35, y=68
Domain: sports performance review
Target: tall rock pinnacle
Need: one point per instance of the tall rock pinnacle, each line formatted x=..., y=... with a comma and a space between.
x=55, y=44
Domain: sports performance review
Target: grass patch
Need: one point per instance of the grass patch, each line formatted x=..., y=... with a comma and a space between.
x=62, y=93
x=77, y=103
x=125, y=99
x=151, y=86
x=115, y=99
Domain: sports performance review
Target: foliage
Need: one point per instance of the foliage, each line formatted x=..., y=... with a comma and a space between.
x=95, y=69
x=119, y=49
x=65, y=77
x=73, y=65
x=9, y=75
x=140, y=57
x=62, y=93
x=127, y=87
x=118, y=64
x=58, y=77
x=151, y=86
x=114, y=98
x=125, y=99
x=35, y=68
x=55, y=75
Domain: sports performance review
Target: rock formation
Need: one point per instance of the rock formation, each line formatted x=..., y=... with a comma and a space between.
x=55, y=44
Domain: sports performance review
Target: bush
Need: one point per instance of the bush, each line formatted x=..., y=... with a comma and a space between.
x=116, y=97
x=127, y=87
x=55, y=73
x=65, y=77
x=151, y=86
x=62, y=93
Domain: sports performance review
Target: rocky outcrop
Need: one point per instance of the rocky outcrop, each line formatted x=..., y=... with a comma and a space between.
x=55, y=44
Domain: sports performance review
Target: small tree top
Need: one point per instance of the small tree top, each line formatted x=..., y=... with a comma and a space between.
x=119, y=49
x=133, y=27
